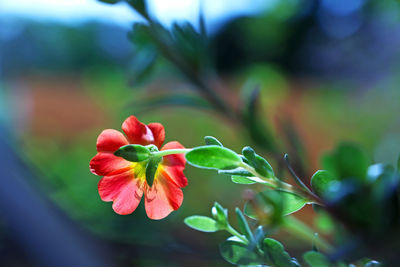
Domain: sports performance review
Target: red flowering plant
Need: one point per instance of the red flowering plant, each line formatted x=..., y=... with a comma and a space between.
x=135, y=165
x=356, y=203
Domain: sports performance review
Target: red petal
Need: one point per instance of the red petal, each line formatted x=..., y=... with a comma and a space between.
x=110, y=140
x=137, y=132
x=162, y=198
x=179, y=159
x=106, y=163
x=175, y=174
x=158, y=133
x=123, y=189
x=174, y=164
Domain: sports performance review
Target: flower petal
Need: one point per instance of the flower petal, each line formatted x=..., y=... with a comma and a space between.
x=106, y=163
x=123, y=189
x=175, y=174
x=162, y=198
x=110, y=140
x=174, y=164
x=158, y=133
x=137, y=132
x=179, y=159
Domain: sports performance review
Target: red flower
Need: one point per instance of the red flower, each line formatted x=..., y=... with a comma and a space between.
x=124, y=182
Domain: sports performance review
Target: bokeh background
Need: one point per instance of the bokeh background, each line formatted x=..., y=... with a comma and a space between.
x=327, y=71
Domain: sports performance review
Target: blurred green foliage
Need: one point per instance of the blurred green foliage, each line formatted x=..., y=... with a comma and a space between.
x=338, y=91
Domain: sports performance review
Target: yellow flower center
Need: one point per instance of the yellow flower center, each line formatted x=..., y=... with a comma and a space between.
x=139, y=170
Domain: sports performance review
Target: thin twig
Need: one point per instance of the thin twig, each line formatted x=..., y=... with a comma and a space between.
x=299, y=181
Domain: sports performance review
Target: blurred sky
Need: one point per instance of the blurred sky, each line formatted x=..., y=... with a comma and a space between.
x=75, y=11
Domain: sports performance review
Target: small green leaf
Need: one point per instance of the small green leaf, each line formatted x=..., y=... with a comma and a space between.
x=277, y=253
x=139, y=5
x=134, y=153
x=220, y=214
x=212, y=141
x=244, y=226
x=316, y=259
x=241, y=180
x=260, y=164
x=290, y=203
x=244, y=159
x=202, y=223
x=238, y=172
x=347, y=161
x=151, y=169
x=213, y=157
x=321, y=181
x=234, y=251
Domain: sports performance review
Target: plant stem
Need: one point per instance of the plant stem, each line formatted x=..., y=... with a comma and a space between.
x=277, y=184
x=303, y=187
x=232, y=231
x=272, y=182
x=171, y=151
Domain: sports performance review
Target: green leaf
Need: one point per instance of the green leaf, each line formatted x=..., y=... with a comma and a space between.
x=347, y=161
x=288, y=203
x=277, y=253
x=234, y=251
x=316, y=259
x=151, y=169
x=213, y=157
x=212, y=141
x=238, y=172
x=220, y=214
x=398, y=163
x=292, y=202
x=190, y=44
x=241, y=180
x=139, y=5
x=320, y=182
x=260, y=164
x=134, y=153
x=267, y=207
x=244, y=159
x=202, y=223
x=244, y=226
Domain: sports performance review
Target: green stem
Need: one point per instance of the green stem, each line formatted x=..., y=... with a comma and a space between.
x=306, y=190
x=171, y=151
x=272, y=182
x=232, y=231
x=277, y=184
